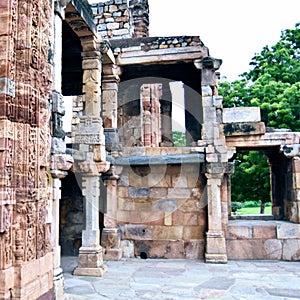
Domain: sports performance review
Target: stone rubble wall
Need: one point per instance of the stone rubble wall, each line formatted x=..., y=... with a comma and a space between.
x=112, y=19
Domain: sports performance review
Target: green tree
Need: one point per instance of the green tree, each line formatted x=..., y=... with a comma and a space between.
x=273, y=84
x=252, y=173
x=178, y=138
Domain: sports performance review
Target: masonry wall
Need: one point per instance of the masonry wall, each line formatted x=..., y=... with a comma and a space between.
x=267, y=240
x=162, y=211
x=26, y=258
x=112, y=19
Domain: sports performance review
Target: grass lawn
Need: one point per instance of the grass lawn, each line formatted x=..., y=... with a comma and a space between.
x=253, y=210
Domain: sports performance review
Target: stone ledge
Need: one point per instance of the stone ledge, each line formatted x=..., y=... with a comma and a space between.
x=159, y=160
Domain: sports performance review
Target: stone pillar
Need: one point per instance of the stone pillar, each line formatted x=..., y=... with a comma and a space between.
x=295, y=215
x=166, y=116
x=110, y=82
x=111, y=235
x=215, y=240
x=216, y=160
x=90, y=140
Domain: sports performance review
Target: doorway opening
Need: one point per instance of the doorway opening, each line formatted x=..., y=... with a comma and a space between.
x=251, y=184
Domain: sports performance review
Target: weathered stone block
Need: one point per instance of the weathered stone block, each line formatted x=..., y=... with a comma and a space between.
x=243, y=129
x=138, y=232
x=127, y=248
x=241, y=114
x=194, y=249
x=167, y=233
x=7, y=282
x=159, y=180
x=193, y=232
x=158, y=193
x=264, y=232
x=185, y=219
x=159, y=249
x=287, y=230
x=178, y=193
x=136, y=217
x=138, y=192
x=291, y=249
x=254, y=249
x=165, y=205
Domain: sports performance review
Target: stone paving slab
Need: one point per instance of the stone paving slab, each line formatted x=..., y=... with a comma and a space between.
x=138, y=279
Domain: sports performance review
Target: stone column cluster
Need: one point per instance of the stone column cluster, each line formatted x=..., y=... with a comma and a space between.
x=216, y=165
x=151, y=95
x=90, y=141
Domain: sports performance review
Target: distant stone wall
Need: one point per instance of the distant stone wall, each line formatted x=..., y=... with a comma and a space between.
x=112, y=19
x=161, y=209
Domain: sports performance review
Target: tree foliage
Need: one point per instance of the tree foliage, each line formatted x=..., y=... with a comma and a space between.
x=252, y=172
x=273, y=84
x=178, y=138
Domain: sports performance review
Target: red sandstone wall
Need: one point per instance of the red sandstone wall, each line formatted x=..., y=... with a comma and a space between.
x=25, y=86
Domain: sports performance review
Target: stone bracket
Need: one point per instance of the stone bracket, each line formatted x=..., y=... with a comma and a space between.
x=290, y=150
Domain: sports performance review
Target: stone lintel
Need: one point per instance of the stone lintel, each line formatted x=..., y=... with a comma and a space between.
x=269, y=139
x=160, y=160
x=161, y=55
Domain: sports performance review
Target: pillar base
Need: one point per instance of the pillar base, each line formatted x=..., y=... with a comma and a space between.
x=96, y=272
x=215, y=258
x=90, y=262
x=215, y=247
x=58, y=282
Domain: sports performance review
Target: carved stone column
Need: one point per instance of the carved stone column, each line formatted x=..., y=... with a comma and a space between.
x=90, y=140
x=215, y=240
x=110, y=81
x=216, y=161
x=111, y=235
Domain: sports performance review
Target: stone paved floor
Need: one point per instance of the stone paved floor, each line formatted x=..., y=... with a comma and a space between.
x=185, y=280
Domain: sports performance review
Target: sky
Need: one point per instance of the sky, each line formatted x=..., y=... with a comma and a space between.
x=233, y=30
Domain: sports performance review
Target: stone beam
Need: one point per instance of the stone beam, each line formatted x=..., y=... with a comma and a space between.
x=270, y=139
x=133, y=56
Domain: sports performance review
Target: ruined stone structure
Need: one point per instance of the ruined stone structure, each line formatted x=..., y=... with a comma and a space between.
x=120, y=188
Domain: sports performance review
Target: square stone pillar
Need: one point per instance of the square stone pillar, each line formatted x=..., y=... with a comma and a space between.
x=91, y=143
x=90, y=260
x=215, y=240
x=111, y=234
